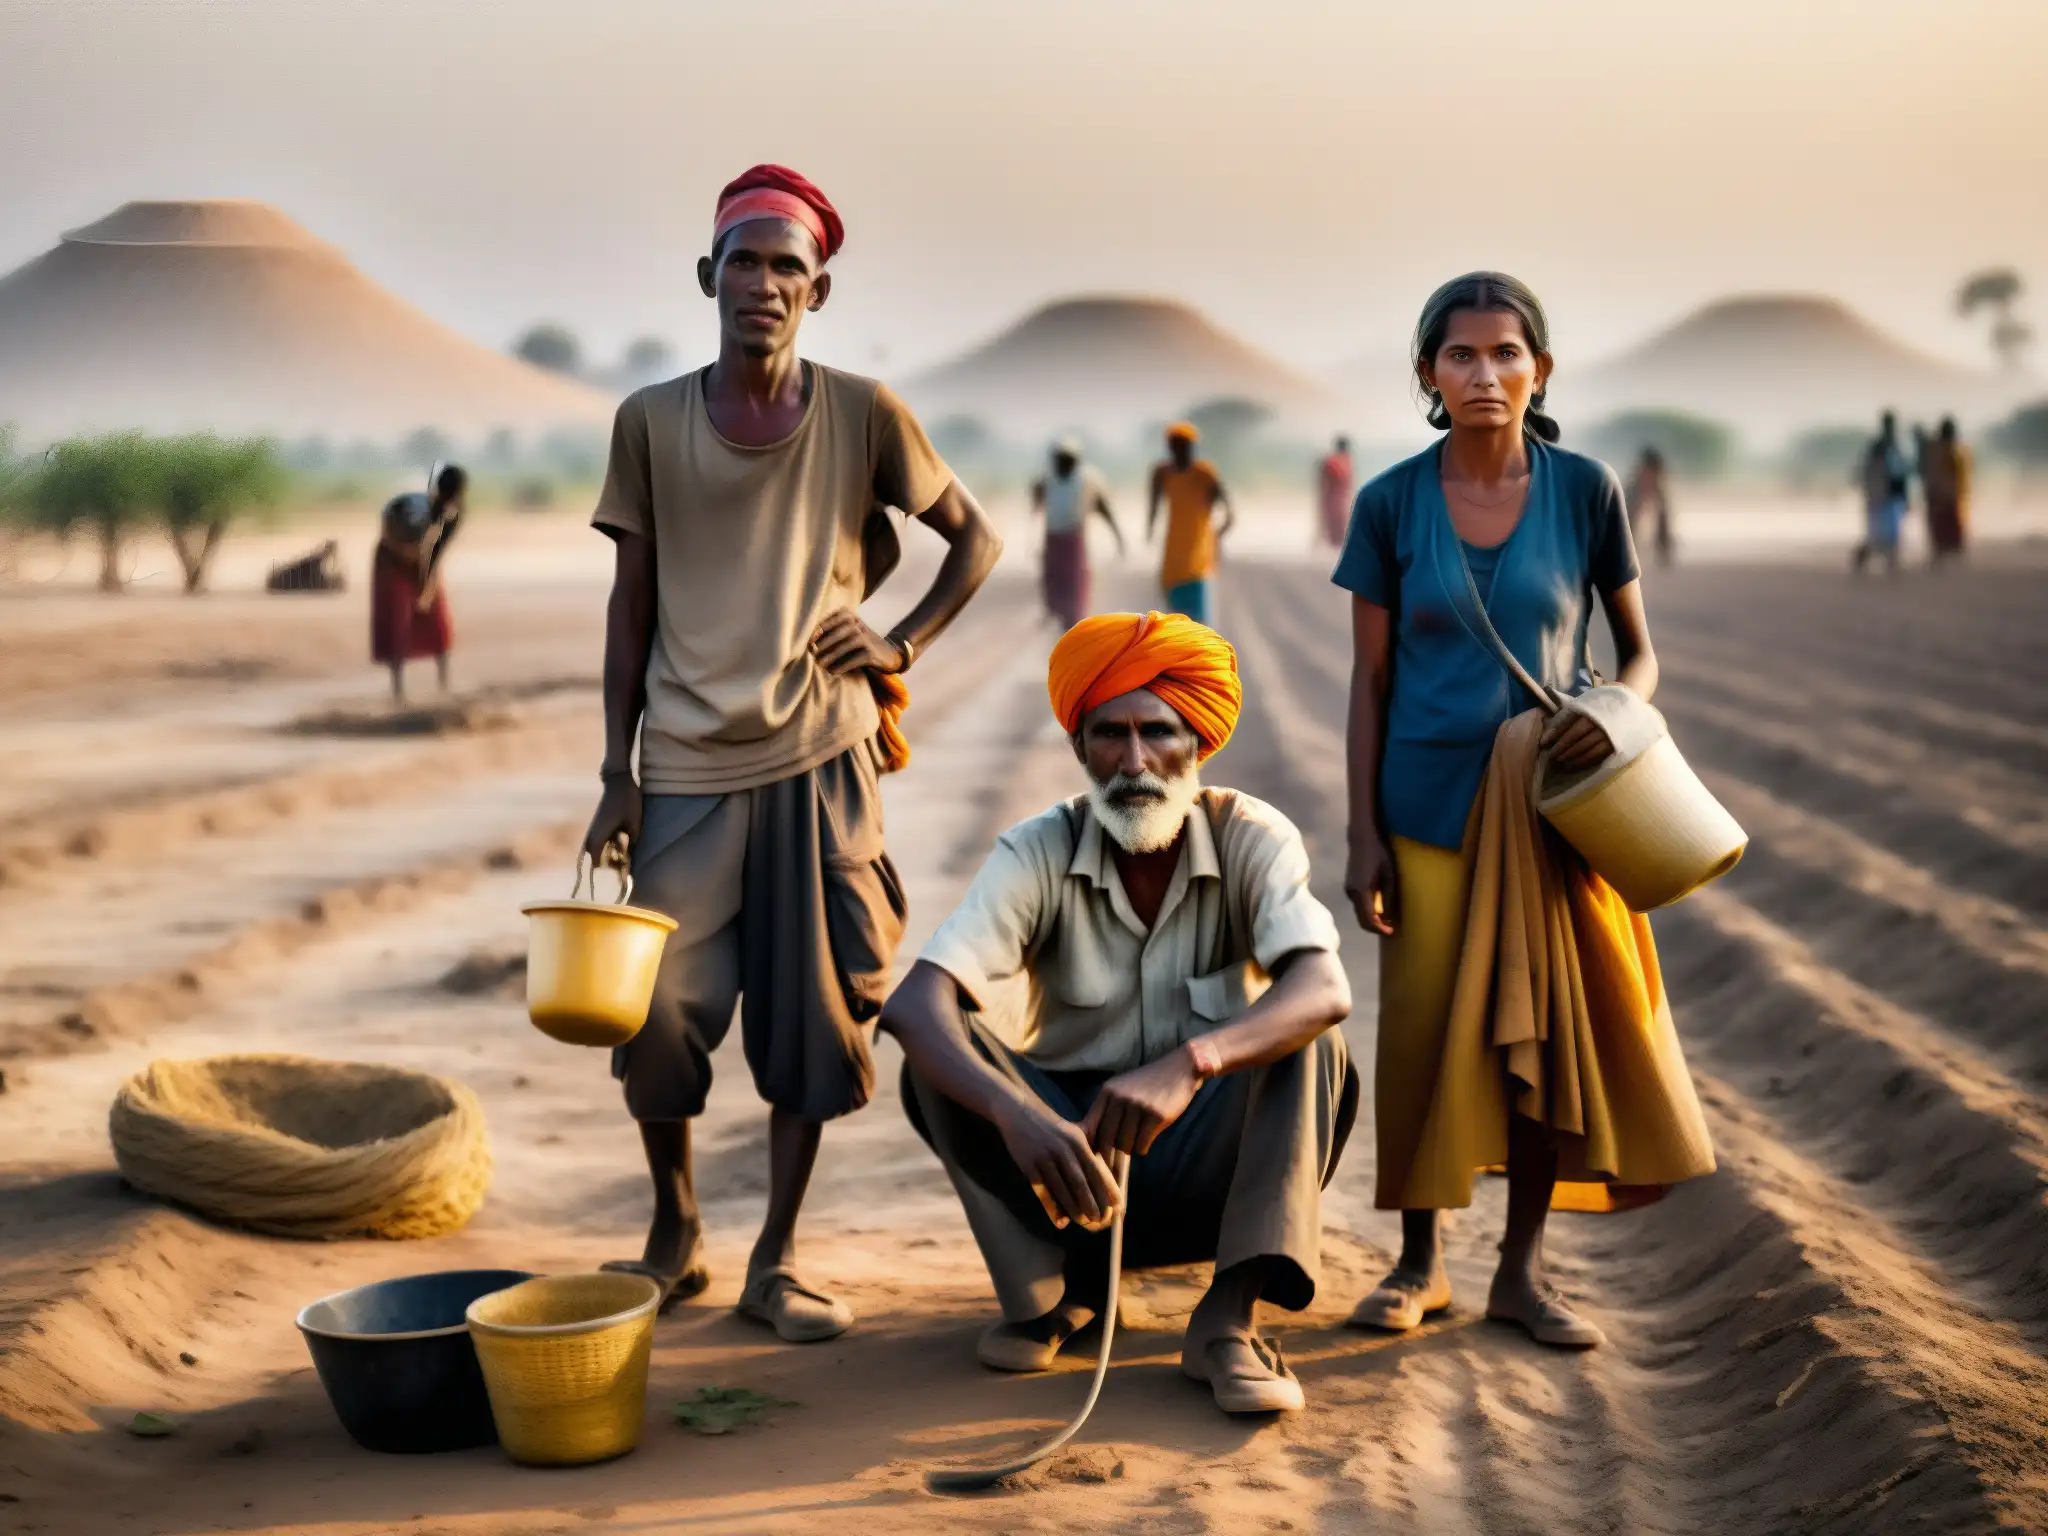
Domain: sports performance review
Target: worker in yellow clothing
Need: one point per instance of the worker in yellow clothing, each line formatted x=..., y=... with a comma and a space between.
x=1194, y=497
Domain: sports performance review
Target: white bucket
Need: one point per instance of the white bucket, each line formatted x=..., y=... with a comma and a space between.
x=1644, y=822
x=1640, y=817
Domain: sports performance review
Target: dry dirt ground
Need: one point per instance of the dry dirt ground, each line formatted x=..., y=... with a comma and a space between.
x=214, y=836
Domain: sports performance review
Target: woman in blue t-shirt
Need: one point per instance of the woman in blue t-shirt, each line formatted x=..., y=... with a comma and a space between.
x=1541, y=529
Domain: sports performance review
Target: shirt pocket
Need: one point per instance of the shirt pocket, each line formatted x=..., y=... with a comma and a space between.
x=1080, y=984
x=1221, y=996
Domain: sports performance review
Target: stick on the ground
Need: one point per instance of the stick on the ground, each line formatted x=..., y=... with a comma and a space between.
x=974, y=1479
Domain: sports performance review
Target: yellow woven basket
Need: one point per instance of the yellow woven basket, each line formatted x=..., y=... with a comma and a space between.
x=565, y=1362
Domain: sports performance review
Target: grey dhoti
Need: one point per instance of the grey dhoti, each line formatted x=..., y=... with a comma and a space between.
x=1238, y=1176
x=786, y=902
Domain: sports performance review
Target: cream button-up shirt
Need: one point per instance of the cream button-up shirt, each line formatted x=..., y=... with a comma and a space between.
x=1100, y=992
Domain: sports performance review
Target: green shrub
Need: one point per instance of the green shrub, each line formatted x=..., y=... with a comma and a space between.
x=533, y=491
x=551, y=346
x=105, y=485
x=2023, y=437
x=1697, y=447
x=117, y=484
x=1825, y=458
x=204, y=483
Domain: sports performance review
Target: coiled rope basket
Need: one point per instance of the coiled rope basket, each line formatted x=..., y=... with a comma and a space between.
x=298, y=1147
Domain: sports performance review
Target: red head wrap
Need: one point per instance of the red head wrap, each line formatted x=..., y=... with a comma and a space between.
x=777, y=192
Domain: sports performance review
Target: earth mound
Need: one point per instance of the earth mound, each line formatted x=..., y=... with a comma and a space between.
x=226, y=315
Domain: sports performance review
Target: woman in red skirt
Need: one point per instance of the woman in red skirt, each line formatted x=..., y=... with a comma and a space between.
x=408, y=601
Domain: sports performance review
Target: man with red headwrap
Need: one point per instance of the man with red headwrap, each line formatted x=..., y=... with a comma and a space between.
x=1140, y=969
x=750, y=507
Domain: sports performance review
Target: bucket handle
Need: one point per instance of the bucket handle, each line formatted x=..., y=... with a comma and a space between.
x=617, y=856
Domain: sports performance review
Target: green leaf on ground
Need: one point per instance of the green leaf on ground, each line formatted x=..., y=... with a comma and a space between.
x=721, y=1410
x=152, y=1426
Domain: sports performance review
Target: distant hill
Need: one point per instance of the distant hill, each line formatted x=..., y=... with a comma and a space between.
x=226, y=315
x=1110, y=364
x=1772, y=364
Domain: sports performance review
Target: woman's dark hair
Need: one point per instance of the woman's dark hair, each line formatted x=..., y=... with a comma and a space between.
x=1482, y=291
x=451, y=482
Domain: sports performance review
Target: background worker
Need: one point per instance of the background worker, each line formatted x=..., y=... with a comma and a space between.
x=1067, y=495
x=409, y=616
x=1192, y=493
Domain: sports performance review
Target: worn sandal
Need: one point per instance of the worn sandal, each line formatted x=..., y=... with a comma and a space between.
x=797, y=1313
x=674, y=1288
x=1397, y=1308
x=1035, y=1345
x=1551, y=1321
x=1245, y=1373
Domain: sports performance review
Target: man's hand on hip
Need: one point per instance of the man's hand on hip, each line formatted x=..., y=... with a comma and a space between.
x=843, y=643
x=1133, y=1108
x=1071, y=1182
x=618, y=816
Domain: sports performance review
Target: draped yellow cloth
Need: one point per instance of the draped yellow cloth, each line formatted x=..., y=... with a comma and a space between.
x=1519, y=983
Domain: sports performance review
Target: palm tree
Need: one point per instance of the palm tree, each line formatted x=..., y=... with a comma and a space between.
x=1999, y=290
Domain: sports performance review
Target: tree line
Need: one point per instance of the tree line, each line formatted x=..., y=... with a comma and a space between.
x=115, y=486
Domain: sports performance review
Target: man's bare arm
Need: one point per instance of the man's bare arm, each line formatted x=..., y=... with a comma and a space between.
x=1152, y=508
x=628, y=638
x=924, y=1015
x=972, y=548
x=1103, y=511
x=843, y=642
x=1222, y=500
x=1309, y=995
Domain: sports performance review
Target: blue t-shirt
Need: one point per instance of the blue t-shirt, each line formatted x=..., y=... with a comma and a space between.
x=1449, y=693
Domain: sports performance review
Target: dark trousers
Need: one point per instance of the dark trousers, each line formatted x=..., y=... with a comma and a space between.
x=1238, y=1176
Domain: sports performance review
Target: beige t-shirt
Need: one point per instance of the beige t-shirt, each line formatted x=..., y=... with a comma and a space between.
x=1103, y=993
x=752, y=548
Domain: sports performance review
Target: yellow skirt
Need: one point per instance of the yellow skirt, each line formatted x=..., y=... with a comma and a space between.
x=1418, y=975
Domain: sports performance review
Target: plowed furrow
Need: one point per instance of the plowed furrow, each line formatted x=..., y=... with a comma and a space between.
x=1889, y=814
x=1935, y=1135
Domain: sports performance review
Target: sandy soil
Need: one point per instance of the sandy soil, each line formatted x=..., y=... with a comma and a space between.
x=213, y=836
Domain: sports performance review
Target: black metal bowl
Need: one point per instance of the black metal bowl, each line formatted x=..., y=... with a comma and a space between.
x=397, y=1363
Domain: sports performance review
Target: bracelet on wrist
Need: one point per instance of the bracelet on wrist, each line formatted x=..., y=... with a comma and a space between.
x=903, y=644
x=612, y=775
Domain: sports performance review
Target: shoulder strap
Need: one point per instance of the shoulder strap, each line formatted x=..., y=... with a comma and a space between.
x=1235, y=937
x=1486, y=634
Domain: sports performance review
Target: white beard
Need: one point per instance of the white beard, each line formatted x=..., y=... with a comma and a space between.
x=1151, y=822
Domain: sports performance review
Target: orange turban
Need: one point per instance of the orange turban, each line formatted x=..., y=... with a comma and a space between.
x=1190, y=666
x=1182, y=432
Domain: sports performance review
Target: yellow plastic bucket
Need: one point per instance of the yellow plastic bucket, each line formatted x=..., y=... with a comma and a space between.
x=590, y=965
x=565, y=1363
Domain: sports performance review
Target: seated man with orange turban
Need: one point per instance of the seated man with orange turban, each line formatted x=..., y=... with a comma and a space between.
x=1141, y=969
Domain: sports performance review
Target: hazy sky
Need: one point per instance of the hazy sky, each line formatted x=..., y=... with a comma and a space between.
x=1304, y=171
